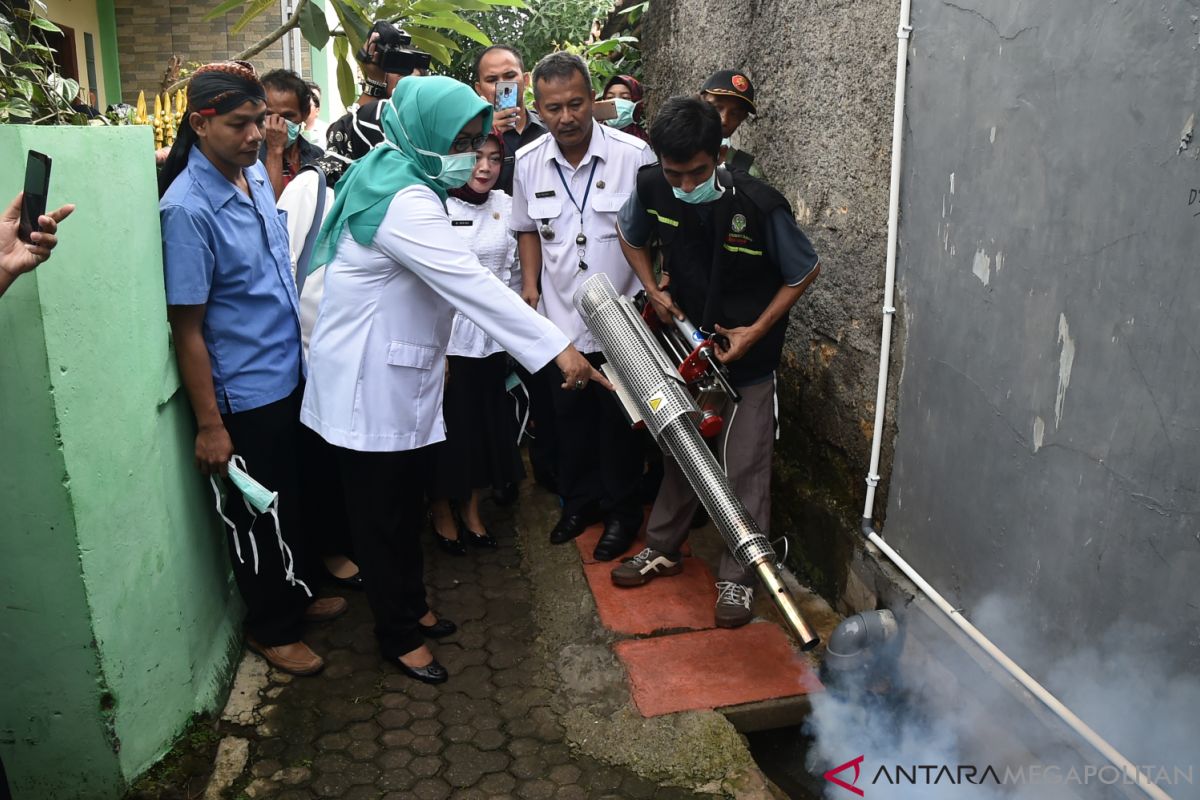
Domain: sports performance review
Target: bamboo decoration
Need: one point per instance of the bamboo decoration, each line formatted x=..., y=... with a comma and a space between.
x=158, y=122
x=139, y=114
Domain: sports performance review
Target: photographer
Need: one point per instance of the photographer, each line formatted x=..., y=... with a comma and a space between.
x=385, y=59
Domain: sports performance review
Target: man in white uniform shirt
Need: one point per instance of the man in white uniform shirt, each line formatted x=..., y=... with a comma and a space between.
x=567, y=190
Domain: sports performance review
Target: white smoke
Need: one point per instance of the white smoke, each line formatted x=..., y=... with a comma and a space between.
x=920, y=714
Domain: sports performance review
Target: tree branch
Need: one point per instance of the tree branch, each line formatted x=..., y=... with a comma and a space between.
x=271, y=38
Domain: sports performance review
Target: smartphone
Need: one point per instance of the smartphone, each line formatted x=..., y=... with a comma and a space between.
x=37, y=186
x=506, y=95
x=604, y=110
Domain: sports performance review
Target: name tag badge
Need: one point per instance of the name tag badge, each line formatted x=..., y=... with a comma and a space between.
x=462, y=223
x=548, y=193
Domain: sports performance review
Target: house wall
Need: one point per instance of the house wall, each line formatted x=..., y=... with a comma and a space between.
x=82, y=16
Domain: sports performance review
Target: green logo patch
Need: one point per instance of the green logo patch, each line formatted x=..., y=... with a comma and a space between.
x=738, y=223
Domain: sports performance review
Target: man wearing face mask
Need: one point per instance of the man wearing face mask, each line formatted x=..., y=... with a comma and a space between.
x=284, y=151
x=732, y=94
x=737, y=263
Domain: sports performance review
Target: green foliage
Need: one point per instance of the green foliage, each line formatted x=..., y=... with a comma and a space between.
x=609, y=57
x=445, y=29
x=31, y=91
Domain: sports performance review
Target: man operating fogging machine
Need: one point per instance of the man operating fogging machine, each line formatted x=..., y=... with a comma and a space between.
x=735, y=263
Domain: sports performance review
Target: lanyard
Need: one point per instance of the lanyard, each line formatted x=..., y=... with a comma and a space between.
x=581, y=239
x=587, y=190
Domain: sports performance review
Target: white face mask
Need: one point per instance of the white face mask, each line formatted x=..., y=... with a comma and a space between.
x=456, y=170
x=259, y=500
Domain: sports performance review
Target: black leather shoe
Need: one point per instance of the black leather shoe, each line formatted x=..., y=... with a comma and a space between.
x=484, y=539
x=454, y=547
x=433, y=672
x=354, y=582
x=443, y=627
x=615, y=540
x=569, y=526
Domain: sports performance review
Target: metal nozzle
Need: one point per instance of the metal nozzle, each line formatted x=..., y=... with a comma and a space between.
x=773, y=581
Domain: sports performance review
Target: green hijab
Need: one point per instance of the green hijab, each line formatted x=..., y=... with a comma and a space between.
x=431, y=111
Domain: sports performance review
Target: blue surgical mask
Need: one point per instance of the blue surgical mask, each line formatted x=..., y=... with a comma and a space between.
x=293, y=129
x=624, y=113
x=456, y=168
x=704, y=193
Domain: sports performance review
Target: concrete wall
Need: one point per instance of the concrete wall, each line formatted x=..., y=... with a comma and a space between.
x=118, y=618
x=1049, y=420
x=149, y=33
x=823, y=72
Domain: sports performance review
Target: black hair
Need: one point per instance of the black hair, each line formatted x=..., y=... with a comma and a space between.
x=492, y=48
x=685, y=126
x=284, y=80
x=560, y=65
x=315, y=92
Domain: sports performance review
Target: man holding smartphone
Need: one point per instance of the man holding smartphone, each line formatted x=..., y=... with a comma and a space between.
x=19, y=255
x=500, y=78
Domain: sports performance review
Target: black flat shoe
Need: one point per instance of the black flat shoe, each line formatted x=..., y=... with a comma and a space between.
x=354, y=582
x=443, y=627
x=433, y=672
x=454, y=547
x=484, y=539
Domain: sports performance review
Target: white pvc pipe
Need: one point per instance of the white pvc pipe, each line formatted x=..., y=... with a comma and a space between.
x=1127, y=767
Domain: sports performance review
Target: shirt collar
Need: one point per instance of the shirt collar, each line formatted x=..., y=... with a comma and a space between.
x=219, y=189
x=597, y=148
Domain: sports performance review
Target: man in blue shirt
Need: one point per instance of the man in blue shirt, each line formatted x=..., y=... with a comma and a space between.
x=235, y=322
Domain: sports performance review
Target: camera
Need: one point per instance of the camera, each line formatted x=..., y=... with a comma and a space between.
x=392, y=51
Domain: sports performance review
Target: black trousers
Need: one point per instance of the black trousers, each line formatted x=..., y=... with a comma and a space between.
x=543, y=448
x=600, y=455
x=268, y=439
x=326, y=529
x=385, y=506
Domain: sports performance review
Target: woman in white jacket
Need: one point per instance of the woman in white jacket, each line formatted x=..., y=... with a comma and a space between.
x=480, y=450
x=397, y=271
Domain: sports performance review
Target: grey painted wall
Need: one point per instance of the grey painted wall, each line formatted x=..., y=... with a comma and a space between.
x=1049, y=420
x=823, y=71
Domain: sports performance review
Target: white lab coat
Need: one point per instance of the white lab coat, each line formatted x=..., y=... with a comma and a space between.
x=377, y=355
x=299, y=200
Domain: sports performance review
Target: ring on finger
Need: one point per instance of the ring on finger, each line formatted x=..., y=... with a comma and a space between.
x=578, y=384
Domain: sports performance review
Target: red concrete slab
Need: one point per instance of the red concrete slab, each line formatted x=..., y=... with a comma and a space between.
x=683, y=601
x=714, y=668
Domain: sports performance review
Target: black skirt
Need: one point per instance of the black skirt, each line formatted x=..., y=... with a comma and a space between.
x=480, y=450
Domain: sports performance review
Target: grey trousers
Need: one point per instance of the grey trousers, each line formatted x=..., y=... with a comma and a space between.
x=744, y=448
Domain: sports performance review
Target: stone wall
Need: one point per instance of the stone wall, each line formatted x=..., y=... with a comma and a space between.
x=148, y=34
x=824, y=73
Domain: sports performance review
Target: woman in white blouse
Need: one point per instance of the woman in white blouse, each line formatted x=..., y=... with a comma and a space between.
x=397, y=272
x=480, y=450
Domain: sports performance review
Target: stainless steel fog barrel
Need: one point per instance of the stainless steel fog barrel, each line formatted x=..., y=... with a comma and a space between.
x=643, y=373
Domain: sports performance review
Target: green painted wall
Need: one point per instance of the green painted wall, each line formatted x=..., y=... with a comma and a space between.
x=107, y=538
x=108, y=46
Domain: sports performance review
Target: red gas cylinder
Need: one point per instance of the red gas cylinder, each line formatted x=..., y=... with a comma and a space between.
x=711, y=423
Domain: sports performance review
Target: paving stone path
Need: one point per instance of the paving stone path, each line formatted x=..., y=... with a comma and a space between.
x=362, y=730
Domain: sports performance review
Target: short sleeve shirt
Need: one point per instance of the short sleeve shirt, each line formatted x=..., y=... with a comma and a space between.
x=229, y=252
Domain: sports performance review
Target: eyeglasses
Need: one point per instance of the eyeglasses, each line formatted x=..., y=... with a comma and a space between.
x=465, y=143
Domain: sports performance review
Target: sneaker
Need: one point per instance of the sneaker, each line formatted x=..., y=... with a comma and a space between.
x=644, y=567
x=733, y=604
